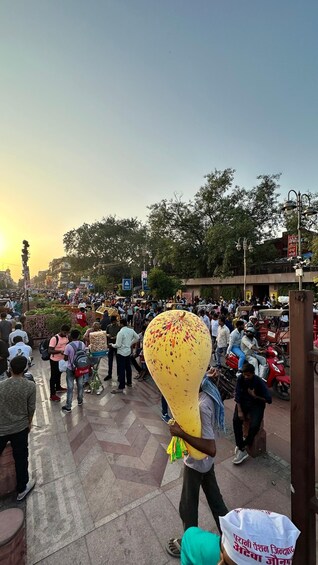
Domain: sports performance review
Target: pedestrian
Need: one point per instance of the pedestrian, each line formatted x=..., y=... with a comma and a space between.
x=74, y=345
x=95, y=328
x=199, y=473
x=18, y=331
x=248, y=536
x=20, y=348
x=81, y=319
x=17, y=406
x=4, y=354
x=111, y=334
x=105, y=321
x=57, y=346
x=126, y=337
x=5, y=328
x=205, y=318
x=222, y=340
x=251, y=397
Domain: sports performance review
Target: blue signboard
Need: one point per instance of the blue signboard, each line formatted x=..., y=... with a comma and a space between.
x=126, y=284
x=145, y=284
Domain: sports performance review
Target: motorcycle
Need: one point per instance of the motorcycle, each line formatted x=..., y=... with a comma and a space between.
x=274, y=374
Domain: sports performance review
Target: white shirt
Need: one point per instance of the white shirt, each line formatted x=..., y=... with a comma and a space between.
x=206, y=320
x=126, y=337
x=20, y=349
x=21, y=333
x=223, y=337
x=214, y=327
x=247, y=345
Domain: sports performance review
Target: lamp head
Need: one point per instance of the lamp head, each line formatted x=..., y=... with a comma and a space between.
x=289, y=206
x=309, y=211
x=250, y=248
x=238, y=246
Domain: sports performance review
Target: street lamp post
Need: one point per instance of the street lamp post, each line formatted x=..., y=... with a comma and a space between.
x=247, y=246
x=302, y=210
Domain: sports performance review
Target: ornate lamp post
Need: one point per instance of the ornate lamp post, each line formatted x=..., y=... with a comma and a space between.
x=247, y=246
x=301, y=204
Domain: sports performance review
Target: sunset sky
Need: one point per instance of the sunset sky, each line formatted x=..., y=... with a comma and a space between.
x=107, y=106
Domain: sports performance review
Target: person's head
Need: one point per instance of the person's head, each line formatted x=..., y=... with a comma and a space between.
x=82, y=309
x=113, y=319
x=123, y=322
x=240, y=325
x=64, y=331
x=18, y=365
x=250, y=332
x=17, y=339
x=249, y=536
x=215, y=316
x=18, y=326
x=74, y=335
x=96, y=326
x=248, y=371
x=3, y=315
x=222, y=320
x=202, y=312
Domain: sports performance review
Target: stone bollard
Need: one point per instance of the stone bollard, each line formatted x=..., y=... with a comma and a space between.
x=7, y=472
x=12, y=537
x=259, y=444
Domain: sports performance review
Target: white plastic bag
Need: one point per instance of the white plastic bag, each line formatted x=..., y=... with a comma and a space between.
x=62, y=366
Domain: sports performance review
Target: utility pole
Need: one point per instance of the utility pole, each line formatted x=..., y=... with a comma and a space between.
x=25, y=270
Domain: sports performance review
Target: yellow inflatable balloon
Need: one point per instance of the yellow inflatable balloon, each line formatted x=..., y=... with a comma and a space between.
x=177, y=348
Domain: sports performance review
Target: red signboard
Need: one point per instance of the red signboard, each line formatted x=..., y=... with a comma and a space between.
x=292, y=246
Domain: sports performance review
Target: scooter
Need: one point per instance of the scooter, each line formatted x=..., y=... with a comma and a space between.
x=274, y=374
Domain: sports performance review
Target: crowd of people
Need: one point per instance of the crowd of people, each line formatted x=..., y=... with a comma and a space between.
x=245, y=536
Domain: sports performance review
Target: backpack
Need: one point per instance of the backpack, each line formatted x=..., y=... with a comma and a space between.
x=81, y=363
x=44, y=348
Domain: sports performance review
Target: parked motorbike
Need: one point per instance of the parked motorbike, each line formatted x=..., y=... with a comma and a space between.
x=275, y=375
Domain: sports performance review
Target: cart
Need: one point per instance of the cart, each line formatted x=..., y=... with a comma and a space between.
x=94, y=382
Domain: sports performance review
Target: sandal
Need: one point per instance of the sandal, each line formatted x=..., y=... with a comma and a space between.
x=173, y=547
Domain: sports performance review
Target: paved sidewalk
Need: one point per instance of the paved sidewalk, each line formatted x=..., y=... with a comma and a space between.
x=106, y=493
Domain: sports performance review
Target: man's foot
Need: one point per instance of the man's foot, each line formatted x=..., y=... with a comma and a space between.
x=55, y=398
x=28, y=488
x=166, y=418
x=240, y=457
x=66, y=409
x=117, y=391
x=80, y=403
x=129, y=385
x=62, y=389
x=107, y=378
x=173, y=547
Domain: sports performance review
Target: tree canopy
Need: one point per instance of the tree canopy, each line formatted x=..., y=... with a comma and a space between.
x=187, y=238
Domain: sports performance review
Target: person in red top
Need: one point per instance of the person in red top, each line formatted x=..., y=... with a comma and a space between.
x=81, y=318
x=56, y=349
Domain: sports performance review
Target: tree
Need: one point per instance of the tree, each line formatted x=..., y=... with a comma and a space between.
x=161, y=285
x=197, y=238
x=112, y=247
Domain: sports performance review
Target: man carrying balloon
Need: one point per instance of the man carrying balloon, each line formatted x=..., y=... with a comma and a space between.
x=177, y=349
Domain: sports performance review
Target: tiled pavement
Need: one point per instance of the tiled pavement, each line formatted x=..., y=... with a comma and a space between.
x=106, y=493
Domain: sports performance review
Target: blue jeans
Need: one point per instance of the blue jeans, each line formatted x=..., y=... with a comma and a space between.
x=70, y=385
x=239, y=353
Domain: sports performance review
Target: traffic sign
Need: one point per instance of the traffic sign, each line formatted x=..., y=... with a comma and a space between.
x=145, y=284
x=126, y=284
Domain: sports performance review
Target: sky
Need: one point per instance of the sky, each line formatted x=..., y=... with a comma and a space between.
x=108, y=106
